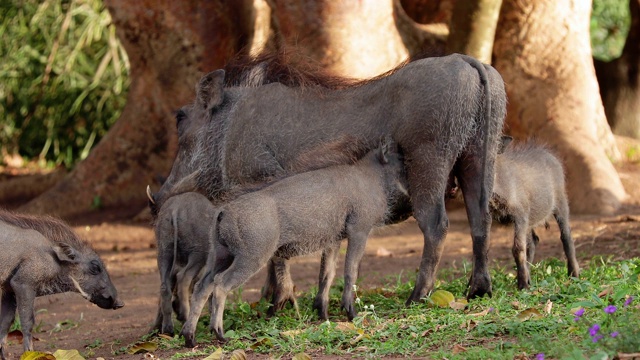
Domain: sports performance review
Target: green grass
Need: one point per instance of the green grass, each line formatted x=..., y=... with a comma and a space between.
x=511, y=324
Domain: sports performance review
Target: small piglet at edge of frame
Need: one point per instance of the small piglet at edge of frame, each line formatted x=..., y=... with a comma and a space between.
x=42, y=255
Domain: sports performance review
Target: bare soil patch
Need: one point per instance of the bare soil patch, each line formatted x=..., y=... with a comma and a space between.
x=67, y=321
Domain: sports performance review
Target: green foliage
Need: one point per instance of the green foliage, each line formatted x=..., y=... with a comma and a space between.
x=610, y=21
x=63, y=78
x=536, y=323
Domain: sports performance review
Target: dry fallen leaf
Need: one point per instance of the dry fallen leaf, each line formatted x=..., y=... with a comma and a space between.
x=548, y=306
x=361, y=335
x=216, y=355
x=468, y=325
x=481, y=313
x=457, y=305
x=143, y=347
x=15, y=335
x=67, y=355
x=458, y=349
x=382, y=252
x=238, y=355
x=516, y=304
x=36, y=355
x=529, y=314
x=605, y=292
x=345, y=326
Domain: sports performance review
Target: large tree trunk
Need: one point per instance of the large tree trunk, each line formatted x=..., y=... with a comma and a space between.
x=170, y=44
x=543, y=52
x=473, y=27
x=357, y=39
x=619, y=82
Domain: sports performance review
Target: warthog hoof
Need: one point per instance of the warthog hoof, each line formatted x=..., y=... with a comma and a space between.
x=279, y=304
x=322, y=308
x=416, y=296
x=479, y=286
x=189, y=340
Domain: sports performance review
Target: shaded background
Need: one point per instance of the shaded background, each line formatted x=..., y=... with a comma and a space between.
x=88, y=89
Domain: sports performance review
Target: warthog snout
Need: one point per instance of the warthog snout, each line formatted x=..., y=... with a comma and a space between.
x=107, y=302
x=118, y=304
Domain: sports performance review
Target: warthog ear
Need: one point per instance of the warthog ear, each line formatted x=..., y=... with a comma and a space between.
x=382, y=152
x=504, y=142
x=187, y=184
x=385, y=149
x=65, y=253
x=210, y=89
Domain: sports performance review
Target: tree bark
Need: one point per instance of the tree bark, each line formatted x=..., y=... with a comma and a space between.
x=542, y=50
x=357, y=39
x=619, y=82
x=170, y=44
x=473, y=28
x=428, y=11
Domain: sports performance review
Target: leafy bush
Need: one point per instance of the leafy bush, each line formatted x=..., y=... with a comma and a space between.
x=610, y=21
x=63, y=78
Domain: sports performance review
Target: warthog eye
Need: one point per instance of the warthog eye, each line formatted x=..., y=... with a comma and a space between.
x=180, y=115
x=94, y=267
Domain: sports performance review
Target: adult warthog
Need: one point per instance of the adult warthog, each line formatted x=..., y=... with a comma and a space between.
x=446, y=114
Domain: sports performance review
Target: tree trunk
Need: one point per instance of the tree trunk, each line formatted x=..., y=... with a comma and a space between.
x=428, y=11
x=619, y=82
x=357, y=39
x=170, y=44
x=473, y=28
x=543, y=52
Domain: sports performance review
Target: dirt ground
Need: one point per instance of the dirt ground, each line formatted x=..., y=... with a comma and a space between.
x=67, y=321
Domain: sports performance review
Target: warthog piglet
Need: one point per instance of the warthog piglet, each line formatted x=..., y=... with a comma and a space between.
x=42, y=256
x=182, y=233
x=295, y=216
x=529, y=189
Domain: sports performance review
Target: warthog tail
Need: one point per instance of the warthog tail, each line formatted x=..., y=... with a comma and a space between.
x=484, y=81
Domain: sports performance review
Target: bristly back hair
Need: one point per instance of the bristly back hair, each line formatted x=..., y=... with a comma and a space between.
x=52, y=228
x=290, y=68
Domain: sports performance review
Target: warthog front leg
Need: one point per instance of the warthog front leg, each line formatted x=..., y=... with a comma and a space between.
x=25, y=297
x=327, y=273
x=7, y=315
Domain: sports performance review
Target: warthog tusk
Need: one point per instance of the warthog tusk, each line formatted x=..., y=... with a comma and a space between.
x=77, y=285
x=150, y=196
